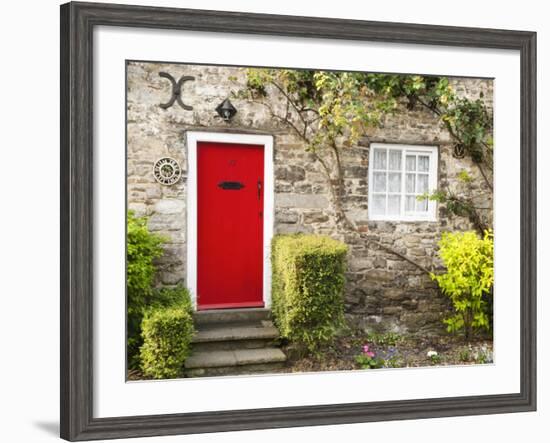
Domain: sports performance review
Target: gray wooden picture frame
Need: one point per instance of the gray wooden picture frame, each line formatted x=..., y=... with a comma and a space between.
x=77, y=23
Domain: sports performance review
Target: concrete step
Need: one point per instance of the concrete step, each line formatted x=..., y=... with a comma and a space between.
x=227, y=316
x=262, y=368
x=231, y=362
x=230, y=337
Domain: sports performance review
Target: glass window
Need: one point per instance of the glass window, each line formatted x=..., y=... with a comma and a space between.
x=399, y=178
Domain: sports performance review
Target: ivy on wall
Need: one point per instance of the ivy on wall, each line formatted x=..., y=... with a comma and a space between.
x=468, y=122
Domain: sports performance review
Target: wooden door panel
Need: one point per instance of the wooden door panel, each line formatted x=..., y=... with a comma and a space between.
x=230, y=225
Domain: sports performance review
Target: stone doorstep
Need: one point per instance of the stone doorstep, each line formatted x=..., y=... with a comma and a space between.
x=235, y=333
x=258, y=369
x=218, y=316
x=238, y=357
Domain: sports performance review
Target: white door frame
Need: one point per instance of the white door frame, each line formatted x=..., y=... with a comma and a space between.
x=193, y=137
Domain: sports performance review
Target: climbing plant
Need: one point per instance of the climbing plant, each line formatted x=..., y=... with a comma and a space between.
x=468, y=122
x=330, y=111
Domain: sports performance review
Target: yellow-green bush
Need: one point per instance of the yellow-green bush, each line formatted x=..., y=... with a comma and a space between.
x=308, y=288
x=167, y=334
x=469, y=279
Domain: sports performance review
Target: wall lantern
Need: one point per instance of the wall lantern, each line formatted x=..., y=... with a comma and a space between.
x=226, y=110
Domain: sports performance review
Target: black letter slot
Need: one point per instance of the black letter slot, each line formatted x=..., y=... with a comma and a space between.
x=231, y=186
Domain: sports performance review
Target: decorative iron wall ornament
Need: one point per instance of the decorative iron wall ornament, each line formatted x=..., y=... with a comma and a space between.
x=167, y=171
x=459, y=151
x=176, y=90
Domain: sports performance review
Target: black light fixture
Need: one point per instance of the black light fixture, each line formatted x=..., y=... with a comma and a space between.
x=226, y=110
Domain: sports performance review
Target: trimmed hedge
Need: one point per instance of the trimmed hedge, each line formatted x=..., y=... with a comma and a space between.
x=308, y=288
x=167, y=334
x=171, y=297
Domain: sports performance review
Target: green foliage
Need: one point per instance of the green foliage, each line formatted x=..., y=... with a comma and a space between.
x=468, y=280
x=308, y=286
x=385, y=339
x=167, y=334
x=330, y=111
x=479, y=355
x=464, y=355
x=166, y=297
x=459, y=204
x=368, y=359
x=464, y=177
x=410, y=87
x=367, y=362
x=435, y=358
x=468, y=121
x=332, y=108
x=142, y=248
x=471, y=123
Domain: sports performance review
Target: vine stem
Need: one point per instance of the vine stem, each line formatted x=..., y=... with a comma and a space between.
x=382, y=246
x=404, y=257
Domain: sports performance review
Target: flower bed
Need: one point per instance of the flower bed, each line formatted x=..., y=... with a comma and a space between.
x=361, y=351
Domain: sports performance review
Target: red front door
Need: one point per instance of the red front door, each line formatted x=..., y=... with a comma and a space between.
x=230, y=203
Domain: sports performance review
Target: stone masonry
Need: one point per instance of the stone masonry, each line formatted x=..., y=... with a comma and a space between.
x=384, y=292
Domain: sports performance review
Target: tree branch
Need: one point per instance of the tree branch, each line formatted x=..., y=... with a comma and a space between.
x=404, y=257
x=283, y=119
x=489, y=184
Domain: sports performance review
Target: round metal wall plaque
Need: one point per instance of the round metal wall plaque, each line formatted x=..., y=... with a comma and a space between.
x=167, y=171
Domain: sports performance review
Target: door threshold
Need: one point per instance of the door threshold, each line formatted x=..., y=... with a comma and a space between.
x=227, y=306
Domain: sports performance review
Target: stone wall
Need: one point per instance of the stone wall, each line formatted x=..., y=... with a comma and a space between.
x=384, y=292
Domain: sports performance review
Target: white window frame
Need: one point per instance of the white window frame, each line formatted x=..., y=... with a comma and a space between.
x=432, y=152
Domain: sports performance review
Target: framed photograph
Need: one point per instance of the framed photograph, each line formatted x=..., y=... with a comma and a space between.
x=274, y=221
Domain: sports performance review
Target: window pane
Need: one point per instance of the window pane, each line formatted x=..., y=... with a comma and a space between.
x=423, y=163
x=399, y=176
x=410, y=164
x=410, y=201
x=379, y=159
x=422, y=183
x=394, y=182
x=394, y=204
x=378, y=204
x=395, y=160
x=422, y=205
x=379, y=182
x=409, y=182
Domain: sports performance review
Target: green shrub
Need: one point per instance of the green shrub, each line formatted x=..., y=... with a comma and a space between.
x=142, y=248
x=468, y=280
x=385, y=339
x=308, y=288
x=171, y=297
x=167, y=334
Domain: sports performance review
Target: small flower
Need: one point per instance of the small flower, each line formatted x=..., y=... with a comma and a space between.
x=431, y=354
x=369, y=354
x=366, y=348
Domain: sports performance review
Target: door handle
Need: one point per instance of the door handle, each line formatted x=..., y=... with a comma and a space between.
x=259, y=189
